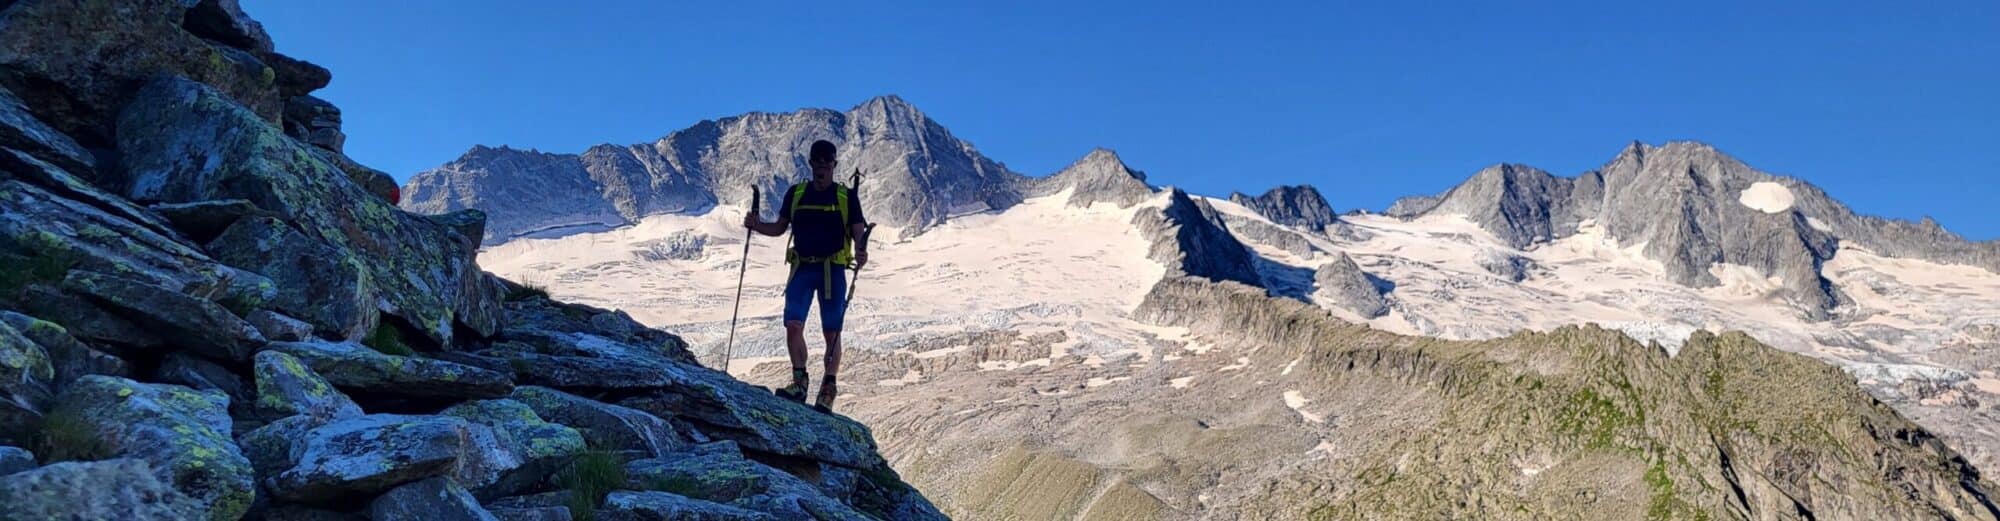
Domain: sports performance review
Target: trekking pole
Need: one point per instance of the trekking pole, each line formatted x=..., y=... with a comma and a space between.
x=863, y=239
x=755, y=201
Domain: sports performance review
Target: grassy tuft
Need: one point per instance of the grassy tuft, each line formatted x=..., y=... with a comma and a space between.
x=387, y=340
x=527, y=291
x=589, y=479
x=65, y=436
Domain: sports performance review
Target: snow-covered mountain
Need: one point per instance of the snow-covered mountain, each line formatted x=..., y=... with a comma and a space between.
x=1660, y=243
x=918, y=173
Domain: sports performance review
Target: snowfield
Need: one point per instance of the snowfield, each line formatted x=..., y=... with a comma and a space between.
x=1918, y=334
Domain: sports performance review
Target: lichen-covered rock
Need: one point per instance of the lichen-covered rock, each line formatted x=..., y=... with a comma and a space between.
x=563, y=328
x=123, y=489
x=26, y=378
x=65, y=353
x=725, y=476
x=316, y=282
x=604, y=426
x=543, y=447
x=369, y=454
x=15, y=459
x=181, y=432
x=434, y=499
x=667, y=506
x=72, y=225
x=202, y=221
x=183, y=141
x=269, y=447
x=198, y=373
x=285, y=386
x=726, y=408
x=22, y=131
x=86, y=320
x=314, y=121
x=300, y=513
x=75, y=61
x=194, y=324
x=534, y=514
x=277, y=327
x=352, y=366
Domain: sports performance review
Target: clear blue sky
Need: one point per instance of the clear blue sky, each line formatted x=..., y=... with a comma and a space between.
x=1890, y=106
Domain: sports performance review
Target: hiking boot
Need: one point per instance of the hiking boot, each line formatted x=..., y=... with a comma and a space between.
x=824, y=402
x=797, y=391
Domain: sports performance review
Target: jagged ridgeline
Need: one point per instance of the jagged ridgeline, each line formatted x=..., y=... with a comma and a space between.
x=208, y=311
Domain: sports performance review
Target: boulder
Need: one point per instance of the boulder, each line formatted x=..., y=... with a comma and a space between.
x=725, y=408
x=74, y=62
x=315, y=122
x=277, y=327
x=182, y=141
x=22, y=131
x=665, y=506
x=26, y=381
x=354, y=367
x=603, y=426
x=434, y=499
x=202, y=221
x=15, y=459
x=285, y=387
x=532, y=514
x=369, y=454
x=197, y=325
x=198, y=373
x=315, y=281
x=55, y=231
x=722, y=475
x=86, y=320
x=182, y=433
x=269, y=448
x=300, y=513
x=122, y=489
x=543, y=447
x=223, y=21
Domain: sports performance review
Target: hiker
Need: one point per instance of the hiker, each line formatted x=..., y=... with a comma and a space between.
x=824, y=218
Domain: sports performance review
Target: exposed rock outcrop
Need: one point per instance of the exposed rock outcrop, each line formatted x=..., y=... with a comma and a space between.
x=224, y=317
x=1098, y=177
x=1343, y=282
x=1300, y=206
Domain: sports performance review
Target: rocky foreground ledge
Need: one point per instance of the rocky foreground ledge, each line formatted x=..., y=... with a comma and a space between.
x=208, y=311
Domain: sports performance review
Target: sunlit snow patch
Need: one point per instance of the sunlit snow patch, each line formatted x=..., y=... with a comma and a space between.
x=1767, y=197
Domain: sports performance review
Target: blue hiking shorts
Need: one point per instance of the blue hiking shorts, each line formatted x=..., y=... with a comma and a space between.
x=810, y=280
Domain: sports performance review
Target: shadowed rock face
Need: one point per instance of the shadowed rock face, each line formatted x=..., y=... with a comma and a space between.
x=1299, y=206
x=1190, y=237
x=226, y=318
x=917, y=173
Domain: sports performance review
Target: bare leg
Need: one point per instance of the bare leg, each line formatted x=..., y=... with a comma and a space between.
x=795, y=342
x=832, y=353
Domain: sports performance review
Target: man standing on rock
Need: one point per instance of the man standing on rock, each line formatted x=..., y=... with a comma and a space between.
x=824, y=218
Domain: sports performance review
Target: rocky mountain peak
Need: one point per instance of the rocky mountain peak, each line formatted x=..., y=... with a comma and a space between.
x=1099, y=176
x=1290, y=205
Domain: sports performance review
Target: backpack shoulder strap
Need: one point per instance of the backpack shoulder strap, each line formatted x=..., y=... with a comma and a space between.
x=798, y=194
